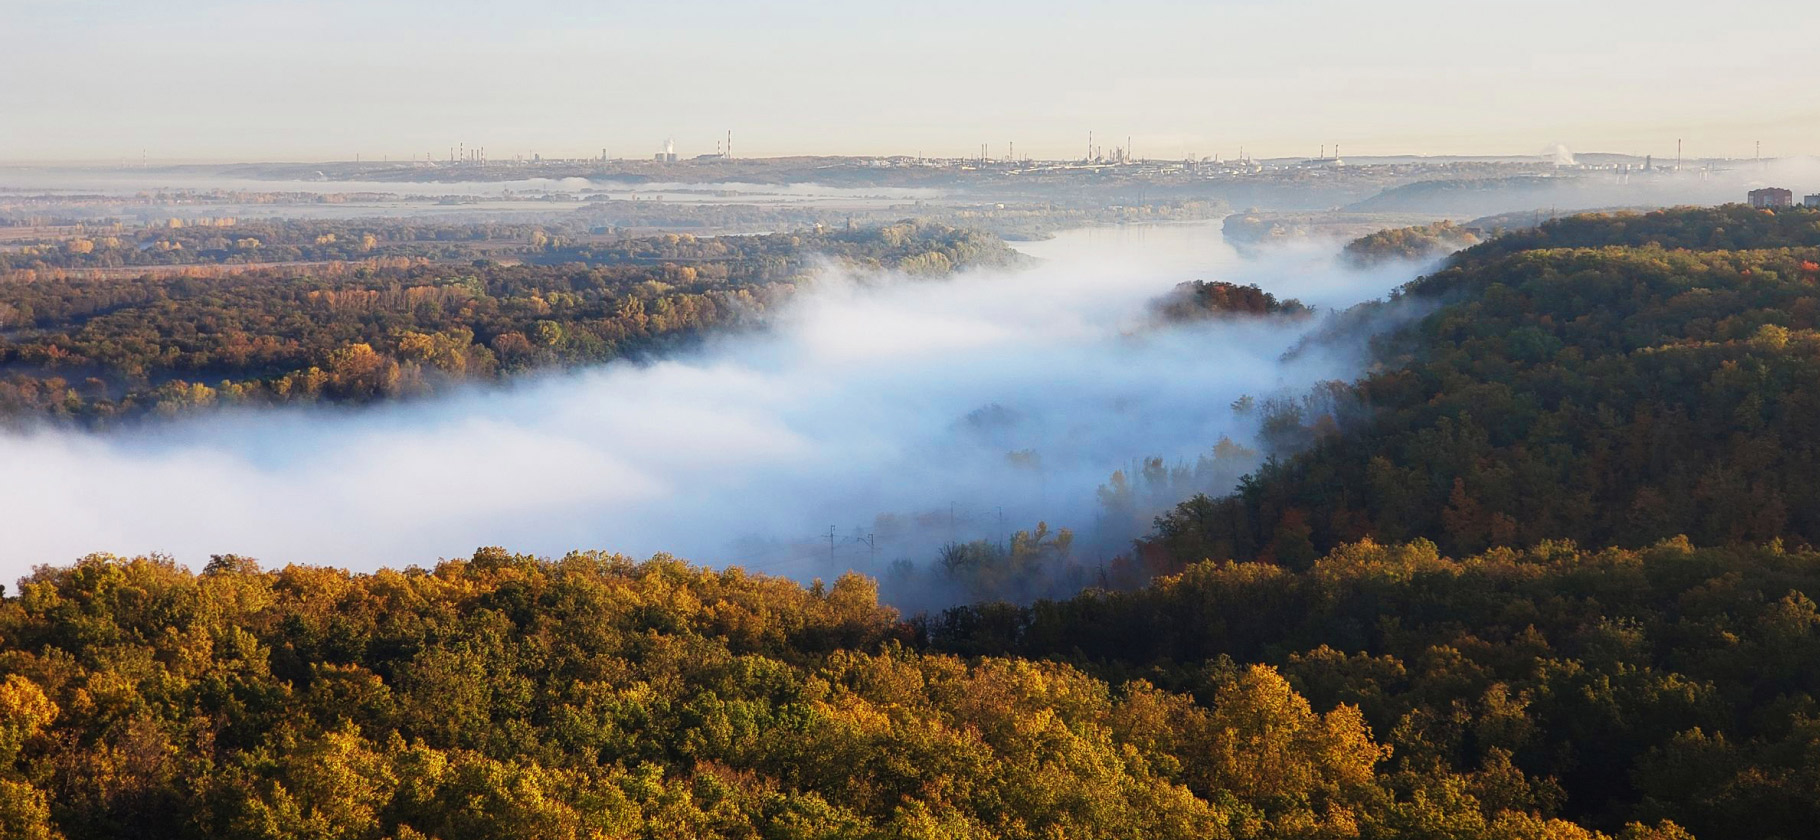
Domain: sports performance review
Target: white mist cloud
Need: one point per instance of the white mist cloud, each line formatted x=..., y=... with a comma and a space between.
x=856, y=403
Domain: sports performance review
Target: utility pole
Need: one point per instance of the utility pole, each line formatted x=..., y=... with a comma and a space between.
x=830, y=543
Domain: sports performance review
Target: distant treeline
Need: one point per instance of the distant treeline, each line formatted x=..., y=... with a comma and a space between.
x=600, y=227
x=228, y=241
x=97, y=347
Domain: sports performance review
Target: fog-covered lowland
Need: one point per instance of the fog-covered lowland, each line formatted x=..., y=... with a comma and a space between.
x=1400, y=627
x=905, y=413
x=555, y=420
x=1020, y=198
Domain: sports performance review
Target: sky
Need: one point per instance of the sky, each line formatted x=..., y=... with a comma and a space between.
x=104, y=80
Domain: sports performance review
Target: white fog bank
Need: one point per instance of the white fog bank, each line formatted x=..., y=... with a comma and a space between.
x=889, y=396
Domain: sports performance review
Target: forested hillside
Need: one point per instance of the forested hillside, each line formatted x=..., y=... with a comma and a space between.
x=1606, y=687
x=1543, y=574
x=97, y=346
x=506, y=697
x=1608, y=379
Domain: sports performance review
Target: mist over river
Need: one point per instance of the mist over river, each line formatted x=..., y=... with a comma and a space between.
x=971, y=406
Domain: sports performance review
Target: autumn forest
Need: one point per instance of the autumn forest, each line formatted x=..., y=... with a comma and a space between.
x=1545, y=570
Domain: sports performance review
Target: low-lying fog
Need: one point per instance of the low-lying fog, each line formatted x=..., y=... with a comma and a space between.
x=886, y=396
x=524, y=199
x=127, y=181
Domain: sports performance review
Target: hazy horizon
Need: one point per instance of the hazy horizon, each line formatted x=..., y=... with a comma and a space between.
x=315, y=80
x=96, y=163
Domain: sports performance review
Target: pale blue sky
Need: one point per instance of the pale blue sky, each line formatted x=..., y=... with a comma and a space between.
x=326, y=79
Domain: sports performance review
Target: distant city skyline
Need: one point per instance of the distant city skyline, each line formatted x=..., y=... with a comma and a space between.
x=210, y=80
